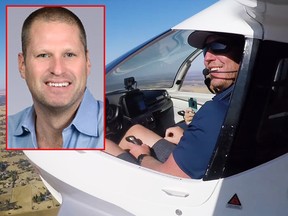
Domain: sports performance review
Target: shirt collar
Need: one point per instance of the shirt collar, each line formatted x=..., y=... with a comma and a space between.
x=224, y=94
x=83, y=121
x=28, y=122
x=86, y=117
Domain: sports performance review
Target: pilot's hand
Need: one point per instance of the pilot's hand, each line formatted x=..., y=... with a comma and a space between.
x=137, y=150
x=174, y=134
x=188, y=116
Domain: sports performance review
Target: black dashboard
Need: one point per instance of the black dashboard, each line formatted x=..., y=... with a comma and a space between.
x=150, y=108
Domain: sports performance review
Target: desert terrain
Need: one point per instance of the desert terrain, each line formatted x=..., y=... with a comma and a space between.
x=22, y=192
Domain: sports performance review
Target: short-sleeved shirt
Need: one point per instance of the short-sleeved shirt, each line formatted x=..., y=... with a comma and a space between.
x=85, y=131
x=197, y=144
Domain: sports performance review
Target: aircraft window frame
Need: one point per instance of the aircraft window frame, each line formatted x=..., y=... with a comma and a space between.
x=194, y=79
x=239, y=147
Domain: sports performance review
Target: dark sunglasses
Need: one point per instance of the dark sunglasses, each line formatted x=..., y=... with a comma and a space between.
x=217, y=47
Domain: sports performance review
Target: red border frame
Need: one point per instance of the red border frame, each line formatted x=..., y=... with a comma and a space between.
x=104, y=71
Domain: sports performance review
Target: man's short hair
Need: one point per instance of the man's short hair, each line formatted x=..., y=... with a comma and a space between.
x=51, y=14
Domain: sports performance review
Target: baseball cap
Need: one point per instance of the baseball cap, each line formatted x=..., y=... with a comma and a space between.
x=198, y=38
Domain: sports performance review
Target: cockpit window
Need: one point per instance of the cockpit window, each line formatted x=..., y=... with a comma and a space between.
x=155, y=65
x=194, y=79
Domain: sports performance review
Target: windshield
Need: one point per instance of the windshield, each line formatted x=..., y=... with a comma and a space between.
x=153, y=66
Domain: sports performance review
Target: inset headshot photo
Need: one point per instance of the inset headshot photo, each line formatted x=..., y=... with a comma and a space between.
x=55, y=60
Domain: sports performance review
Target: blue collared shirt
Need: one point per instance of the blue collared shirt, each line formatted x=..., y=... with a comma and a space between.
x=194, y=151
x=85, y=131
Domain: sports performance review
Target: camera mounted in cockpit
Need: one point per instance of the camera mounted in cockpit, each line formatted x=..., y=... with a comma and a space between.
x=129, y=83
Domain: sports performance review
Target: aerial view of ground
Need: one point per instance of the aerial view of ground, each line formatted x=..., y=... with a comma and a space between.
x=22, y=192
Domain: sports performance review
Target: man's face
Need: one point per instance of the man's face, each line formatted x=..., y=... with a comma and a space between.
x=223, y=69
x=55, y=67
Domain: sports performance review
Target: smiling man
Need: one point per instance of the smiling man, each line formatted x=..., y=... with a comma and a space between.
x=186, y=153
x=55, y=64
